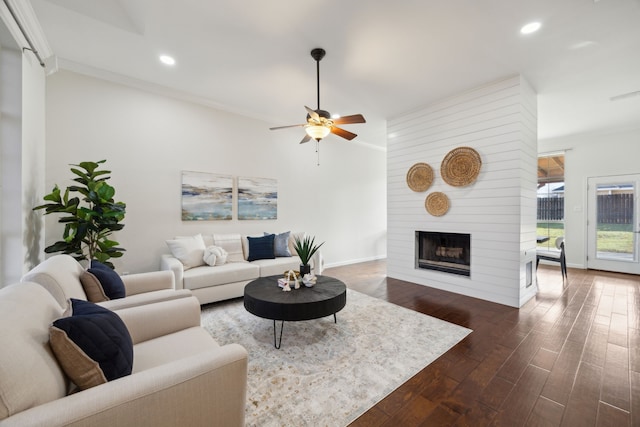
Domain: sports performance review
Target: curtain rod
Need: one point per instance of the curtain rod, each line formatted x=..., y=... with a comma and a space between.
x=24, y=34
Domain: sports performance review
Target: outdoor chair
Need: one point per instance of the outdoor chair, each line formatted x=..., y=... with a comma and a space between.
x=555, y=256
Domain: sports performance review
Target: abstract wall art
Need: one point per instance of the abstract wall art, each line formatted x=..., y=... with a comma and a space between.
x=206, y=196
x=257, y=198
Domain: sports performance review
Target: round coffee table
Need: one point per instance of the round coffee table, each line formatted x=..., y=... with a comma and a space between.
x=264, y=298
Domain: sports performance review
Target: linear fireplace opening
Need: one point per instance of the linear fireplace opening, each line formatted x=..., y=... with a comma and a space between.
x=448, y=252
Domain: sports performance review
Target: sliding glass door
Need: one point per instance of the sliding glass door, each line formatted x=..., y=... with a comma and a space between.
x=550, y=216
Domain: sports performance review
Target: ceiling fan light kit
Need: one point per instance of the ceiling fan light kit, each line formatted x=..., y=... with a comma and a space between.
x=317, y=132
x=319, y=122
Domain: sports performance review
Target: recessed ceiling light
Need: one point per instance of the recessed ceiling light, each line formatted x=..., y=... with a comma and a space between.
x=531, y=27
x=335, y=116
x=167, y=60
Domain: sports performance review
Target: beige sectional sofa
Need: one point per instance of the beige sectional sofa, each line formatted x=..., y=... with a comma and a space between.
x=226, y=281
x=180, y=377
x=60, y=275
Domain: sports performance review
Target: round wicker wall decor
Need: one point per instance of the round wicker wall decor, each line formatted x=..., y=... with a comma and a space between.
x=437, y=203
x=420, y=177
x=460, y=166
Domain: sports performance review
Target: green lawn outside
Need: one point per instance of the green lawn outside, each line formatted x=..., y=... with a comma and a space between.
x=551, y=229
x=615, y=238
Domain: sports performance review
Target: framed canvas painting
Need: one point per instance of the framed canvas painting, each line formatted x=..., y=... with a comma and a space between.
x=257, y=198
x=206, y=196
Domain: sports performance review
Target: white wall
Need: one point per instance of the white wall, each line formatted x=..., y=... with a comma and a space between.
x=149, y=139
x=498, y=210
x=591, y=155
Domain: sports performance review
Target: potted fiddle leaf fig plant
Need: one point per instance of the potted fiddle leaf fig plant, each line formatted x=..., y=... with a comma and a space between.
x=305, y=249
x=89, y=217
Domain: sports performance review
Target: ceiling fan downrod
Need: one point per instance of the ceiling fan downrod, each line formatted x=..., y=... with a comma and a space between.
x=317, y=54
x=319, y=123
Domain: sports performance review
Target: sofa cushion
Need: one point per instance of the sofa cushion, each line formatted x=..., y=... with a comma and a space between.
x=109, y=280
x=215, y=255
x=231, y=243
x=171, y=347
x=261, y=247
x=204, y=277
x=277, y=266
x=92, y=345
x=29, y=373
x=281, y=244
x=145, y=298
x=189, y=250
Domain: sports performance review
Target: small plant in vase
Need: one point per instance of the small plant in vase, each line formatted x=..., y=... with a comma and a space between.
x=305, y=249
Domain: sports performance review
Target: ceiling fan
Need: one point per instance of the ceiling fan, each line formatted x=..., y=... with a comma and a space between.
x=319, y=122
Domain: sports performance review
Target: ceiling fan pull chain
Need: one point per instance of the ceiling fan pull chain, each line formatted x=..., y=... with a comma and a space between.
x=318, y=82
x=318, y=152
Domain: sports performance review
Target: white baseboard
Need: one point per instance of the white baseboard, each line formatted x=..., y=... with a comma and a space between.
x=569, y=265
x=354, y=261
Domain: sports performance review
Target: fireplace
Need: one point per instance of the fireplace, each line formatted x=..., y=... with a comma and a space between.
x=448, y=252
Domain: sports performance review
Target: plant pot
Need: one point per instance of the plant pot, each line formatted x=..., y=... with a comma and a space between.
x=304, y=269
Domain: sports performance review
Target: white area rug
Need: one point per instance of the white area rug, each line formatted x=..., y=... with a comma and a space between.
x=326, y=373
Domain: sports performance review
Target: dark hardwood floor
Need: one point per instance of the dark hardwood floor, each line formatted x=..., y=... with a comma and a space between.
x=569, y=357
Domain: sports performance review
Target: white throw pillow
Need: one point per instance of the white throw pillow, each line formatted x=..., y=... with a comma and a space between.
x=215, y=255
x=232, y=243
x=189, y=250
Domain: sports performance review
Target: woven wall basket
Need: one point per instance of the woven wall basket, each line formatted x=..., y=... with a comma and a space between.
x=437, y=203
x=420, y=177
x=460, y=166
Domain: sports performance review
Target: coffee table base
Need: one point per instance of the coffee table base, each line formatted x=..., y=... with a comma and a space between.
x=277, y=342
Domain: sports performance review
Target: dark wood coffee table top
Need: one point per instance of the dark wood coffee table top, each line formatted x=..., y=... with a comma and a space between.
x=264, y=298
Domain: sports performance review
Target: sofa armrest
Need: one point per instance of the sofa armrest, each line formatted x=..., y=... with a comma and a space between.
x=205, y=389
x=168, y=262
x=150, y=321
x=148, y=282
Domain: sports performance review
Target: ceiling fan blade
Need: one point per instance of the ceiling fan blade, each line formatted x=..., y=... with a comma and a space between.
x=313, y=114
x=343, y=133
x=284, y=127
x=305, y=139
x=345, y=120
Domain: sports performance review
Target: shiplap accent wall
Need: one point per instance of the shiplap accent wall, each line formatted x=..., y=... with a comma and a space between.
x=499, y=121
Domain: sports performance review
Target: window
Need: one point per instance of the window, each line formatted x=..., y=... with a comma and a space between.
x=550, y=224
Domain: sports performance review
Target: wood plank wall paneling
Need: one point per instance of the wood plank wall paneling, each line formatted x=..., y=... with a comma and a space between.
x=499, y=121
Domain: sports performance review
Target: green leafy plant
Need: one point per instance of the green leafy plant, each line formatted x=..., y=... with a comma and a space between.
x=89, y=218
x=306, y=248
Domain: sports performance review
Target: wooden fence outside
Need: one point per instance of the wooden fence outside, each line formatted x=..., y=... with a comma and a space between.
x=612, y=209
x=550, y=208
x=615, y=209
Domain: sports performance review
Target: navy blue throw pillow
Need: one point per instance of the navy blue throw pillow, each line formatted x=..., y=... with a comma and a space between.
x=261, y=247
x=112, y=284
x=92, y=345
x=98, y=264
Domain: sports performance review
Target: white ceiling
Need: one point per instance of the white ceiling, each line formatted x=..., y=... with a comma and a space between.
x=383, y=58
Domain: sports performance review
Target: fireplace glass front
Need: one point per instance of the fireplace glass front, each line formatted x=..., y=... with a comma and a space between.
x=447, y=252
